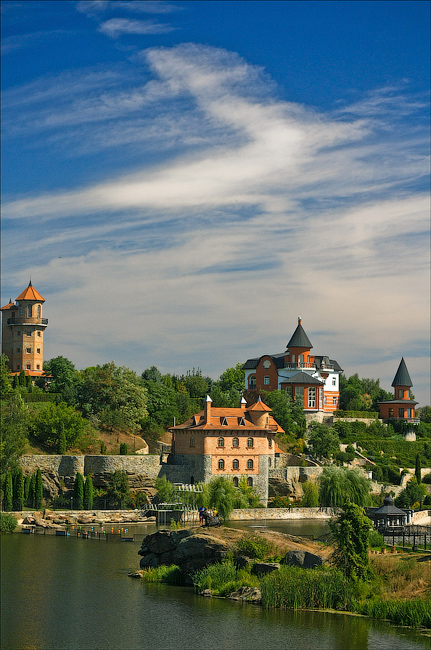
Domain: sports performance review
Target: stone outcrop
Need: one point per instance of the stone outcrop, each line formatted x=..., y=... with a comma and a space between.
x=262, y=568
x=280, y=487
x=247, y=594
x=302, y=559
x=188, y=549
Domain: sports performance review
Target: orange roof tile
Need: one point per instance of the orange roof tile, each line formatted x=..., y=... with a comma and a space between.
x=30, y=293
x=231, y=415
x=10, y=305
x=259, y=406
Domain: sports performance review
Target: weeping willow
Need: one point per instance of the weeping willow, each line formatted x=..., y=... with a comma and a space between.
x=338, y=484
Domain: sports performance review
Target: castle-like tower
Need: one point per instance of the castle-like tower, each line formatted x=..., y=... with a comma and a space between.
x=22, y=332
x=403, y=406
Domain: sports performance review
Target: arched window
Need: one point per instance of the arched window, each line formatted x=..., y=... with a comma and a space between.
x=270, y=443
x=220, y=442
x=235, y=481
x=29, y=311
x=249, y=442
x=235, y=464
x=235, y=442
x=192, y=442
x=252, y=382
x=250, y=482
x=250, y=463
x=269, y=462
x=221, y=463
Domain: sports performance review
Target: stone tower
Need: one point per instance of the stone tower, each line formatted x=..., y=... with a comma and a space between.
x=22, y=332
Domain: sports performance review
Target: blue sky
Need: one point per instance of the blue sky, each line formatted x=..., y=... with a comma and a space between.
x=182, y=180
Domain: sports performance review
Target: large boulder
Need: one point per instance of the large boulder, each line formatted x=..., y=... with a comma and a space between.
x=279, y=487
x=190, y=551
x=302, y=559
x=262, y=568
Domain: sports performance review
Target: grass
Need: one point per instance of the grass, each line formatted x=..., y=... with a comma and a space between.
x=168, y=574
x=8, y=522
x=414, y=613
x=255, y=547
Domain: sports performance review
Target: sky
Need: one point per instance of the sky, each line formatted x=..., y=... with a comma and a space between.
x=182, y=180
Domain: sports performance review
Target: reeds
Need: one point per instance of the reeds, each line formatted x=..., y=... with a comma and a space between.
x=296, y=588
x=414, y=613
x=223, y=578
x=170, y=575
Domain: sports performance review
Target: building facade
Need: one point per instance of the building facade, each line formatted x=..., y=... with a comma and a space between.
x=312, y=378
x=23, y=327
x=232, y=442
x=402, y=407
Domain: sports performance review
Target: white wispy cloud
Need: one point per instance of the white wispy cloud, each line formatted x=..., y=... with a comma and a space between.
x=98, y=7
x=258, y=210
x=114, y=27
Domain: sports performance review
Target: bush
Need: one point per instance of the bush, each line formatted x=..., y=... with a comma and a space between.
x=170, y=575
x=280, y=502
x=255, y=547
x=8, y=522
x=375, y=539
x=123, y=449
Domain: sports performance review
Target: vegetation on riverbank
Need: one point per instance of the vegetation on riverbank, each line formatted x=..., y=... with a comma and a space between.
x=8, y=523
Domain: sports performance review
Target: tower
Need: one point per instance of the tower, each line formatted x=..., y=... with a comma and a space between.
x=22, y=332
x=402, y=407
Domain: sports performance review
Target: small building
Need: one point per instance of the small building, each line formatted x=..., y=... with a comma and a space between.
x=314, y=379
x=388, y=515
x=232, y=442
x=23, y=328
x=402, y=407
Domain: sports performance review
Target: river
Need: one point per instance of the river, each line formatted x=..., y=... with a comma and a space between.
x=68, y=593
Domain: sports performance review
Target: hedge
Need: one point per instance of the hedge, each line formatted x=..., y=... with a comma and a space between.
x=357, y=414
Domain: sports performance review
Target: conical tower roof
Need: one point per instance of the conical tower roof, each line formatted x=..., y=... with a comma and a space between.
x=402, y=377
x=30, y=293
x=299, y=338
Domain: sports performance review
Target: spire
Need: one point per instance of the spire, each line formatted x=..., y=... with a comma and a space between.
x=30, y=293
x=299, y=338
x=402, y=377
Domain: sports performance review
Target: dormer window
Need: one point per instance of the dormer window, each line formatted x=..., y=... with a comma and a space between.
x=223, y=422
x=195, y=421
x=241, y=422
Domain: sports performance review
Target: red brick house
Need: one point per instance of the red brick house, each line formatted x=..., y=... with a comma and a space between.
x=402, y=407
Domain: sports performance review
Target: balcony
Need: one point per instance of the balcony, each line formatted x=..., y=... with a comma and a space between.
x=293, y=365
x=27, y=321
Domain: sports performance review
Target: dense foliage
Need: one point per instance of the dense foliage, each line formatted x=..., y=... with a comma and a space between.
x=336, y=484
x=351, y=532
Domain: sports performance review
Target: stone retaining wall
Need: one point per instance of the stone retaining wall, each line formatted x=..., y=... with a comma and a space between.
x=300, y=474
x=282, y=513
x=70, y=465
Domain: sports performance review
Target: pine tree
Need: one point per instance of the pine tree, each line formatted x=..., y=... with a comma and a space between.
x=27, y=482
x=88, y=493
x=18, y=489
x=418, y=472
x=8, y=493
x=32, y=491
x=39, y=489
x=15, y=382
x=78, y=492
x=22, y=379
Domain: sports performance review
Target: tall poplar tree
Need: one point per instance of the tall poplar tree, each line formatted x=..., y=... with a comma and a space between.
x=8, y=492
x=78, y=491
x=88, y=493
x=39, y=489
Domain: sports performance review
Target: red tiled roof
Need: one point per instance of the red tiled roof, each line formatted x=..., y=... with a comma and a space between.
x=232, y=416
x=30, y=293
x=10, y=305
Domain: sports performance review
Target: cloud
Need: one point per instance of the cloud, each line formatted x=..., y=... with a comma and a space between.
x=114, y=27
x=12, y=43
x=229, y=212
x=98, y=7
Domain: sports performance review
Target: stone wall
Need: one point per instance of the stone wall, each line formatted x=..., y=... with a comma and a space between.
x=282, y=513
x=300, y=474
x=70, y=465
x=61, y=465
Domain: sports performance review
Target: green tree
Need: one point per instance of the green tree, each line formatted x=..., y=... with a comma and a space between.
x=249, y=493
x=351, y=531
x=8, y=493
x=223, y=495
x=18, y=488
x=164, y=489
x=123, y=449
x=425, y=415
x=32, y=491
x=197, y=386
x=22, y=379
x=418, y=468
x=338, y=483
x=78, y=492
x=5, y=383
x=27, y=482
x=233, y=378
x=152, y=374
x=88, y=493
x=119, y=489
x=14, y=429
x=414, y=492
x=311, y=495
x=39, y=489
x=323, y=440
x=287, y=413
x=62, y=441
x=54, y=421
x=65, y=379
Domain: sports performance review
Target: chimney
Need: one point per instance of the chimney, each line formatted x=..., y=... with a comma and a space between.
x=242, y=403
x=207, y=410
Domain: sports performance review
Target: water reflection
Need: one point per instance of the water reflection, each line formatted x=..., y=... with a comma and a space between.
x=73, y=594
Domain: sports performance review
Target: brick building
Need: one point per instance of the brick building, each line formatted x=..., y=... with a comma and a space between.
x=402, y=407
x=22, y=332
x=231, y=442
x=312, y=378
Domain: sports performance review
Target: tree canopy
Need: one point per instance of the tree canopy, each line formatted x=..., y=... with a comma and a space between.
x=351, y=531
x=336, y=484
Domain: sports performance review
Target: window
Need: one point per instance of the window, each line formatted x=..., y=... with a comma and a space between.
x=270, y=443
x=20, y=311
x=400, y=393
x=28, y=333
x=241, y=422
x=28, y=366
x=18, y=349
x=267, y=363
x=250, y=482
x=249, y=442
x=29, y=311
x=38, y=311
x=38, y=350
x=252, y=382
x=39, y=333
x=410, y=413
x=266, y=380
x=235, y=442
x=269, y=462
x=324, y=401
x=299, y=393
x=18, y=333
x=400, y=413
x=250, y=463
x=224, y=422
x=17, y=366
x=192, y=442
x=235, y=464
x=220, y=442
x=312, y=397
x=38, y=366
x=334, y=381
x=14, y=314
x=28, y=350
x=334, y=401
x=221, y=463
x=235, y=481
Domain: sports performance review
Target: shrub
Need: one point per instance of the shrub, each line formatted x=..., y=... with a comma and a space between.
x=255, y=547
x=171, y=574
x=375, y=539
x=311, y=495
x=8, y=522
x=123, y=449
x=280, y=502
